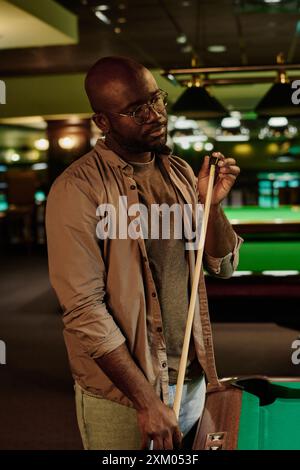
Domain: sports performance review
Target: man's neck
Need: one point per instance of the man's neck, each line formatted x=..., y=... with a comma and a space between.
x=126, y=155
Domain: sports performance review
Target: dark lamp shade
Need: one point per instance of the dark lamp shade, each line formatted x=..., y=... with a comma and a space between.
x=197, y=103
x=278, y=102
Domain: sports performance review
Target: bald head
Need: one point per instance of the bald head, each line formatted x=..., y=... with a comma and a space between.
x=117, y=87
x=111, y=79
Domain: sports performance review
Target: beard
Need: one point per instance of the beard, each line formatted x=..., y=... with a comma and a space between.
x=141, y=145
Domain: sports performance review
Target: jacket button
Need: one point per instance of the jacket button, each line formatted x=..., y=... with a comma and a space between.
x=164, y=364
x=153, y=294
x=159, y=329
x=133, y=186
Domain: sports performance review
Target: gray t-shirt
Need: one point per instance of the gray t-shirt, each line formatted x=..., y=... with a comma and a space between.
x=169, y=266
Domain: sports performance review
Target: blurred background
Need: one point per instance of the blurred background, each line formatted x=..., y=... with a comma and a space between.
x=229, y=67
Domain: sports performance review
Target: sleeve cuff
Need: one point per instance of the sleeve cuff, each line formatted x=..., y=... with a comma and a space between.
x=107, y=345
x=225, y=266
x=96, y=329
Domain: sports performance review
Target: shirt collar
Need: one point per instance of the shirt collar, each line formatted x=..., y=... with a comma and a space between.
x=115, y=160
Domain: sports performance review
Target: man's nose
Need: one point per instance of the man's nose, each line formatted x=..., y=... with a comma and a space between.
x=153, y=114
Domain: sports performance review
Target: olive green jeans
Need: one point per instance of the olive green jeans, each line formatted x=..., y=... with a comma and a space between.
x=106, y=425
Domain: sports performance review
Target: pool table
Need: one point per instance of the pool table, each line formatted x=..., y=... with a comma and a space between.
x=259, y=256
x=251, y=413
x=271, y=237
x=254, y=219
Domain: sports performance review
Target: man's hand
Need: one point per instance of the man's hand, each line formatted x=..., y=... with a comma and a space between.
x=158, y=422
x=155, y=420
x=226, y=173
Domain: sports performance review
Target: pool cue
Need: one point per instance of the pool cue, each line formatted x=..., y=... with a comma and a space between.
x=191, y=311
x=189, y=323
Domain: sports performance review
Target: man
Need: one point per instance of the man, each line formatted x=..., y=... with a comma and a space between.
x=125, y=298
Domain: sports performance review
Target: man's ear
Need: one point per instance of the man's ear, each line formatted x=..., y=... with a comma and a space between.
x=101, y=122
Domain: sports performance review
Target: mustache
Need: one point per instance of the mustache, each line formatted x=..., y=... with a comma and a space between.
x=157, y=127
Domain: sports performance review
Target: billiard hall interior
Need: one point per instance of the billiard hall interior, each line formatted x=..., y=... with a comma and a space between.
x=231, y=69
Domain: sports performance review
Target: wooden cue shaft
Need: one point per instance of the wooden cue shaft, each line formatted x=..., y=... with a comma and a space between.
x=190, y=317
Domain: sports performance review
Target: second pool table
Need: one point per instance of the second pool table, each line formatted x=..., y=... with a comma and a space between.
x=254, y=219
x=253, y=413
x=271, y=237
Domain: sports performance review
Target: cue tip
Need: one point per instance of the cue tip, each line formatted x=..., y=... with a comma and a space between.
x=214, y=160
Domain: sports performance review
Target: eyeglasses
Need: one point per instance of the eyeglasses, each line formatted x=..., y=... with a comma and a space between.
x=142, y=113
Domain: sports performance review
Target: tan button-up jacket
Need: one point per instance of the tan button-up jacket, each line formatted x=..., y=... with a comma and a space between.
x=105, y=287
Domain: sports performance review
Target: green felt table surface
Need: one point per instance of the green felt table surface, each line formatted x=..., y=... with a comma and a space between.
x=267, y=251
x=275, y=426
x=269, y=255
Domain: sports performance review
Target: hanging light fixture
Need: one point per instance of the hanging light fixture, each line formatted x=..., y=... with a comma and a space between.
x=197, y=103
x=278, y=101
x=278, y=128
x=231, y=130
x=187, y=132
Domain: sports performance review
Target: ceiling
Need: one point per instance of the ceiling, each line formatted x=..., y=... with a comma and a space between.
x=28, y=24
x=252, y=31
